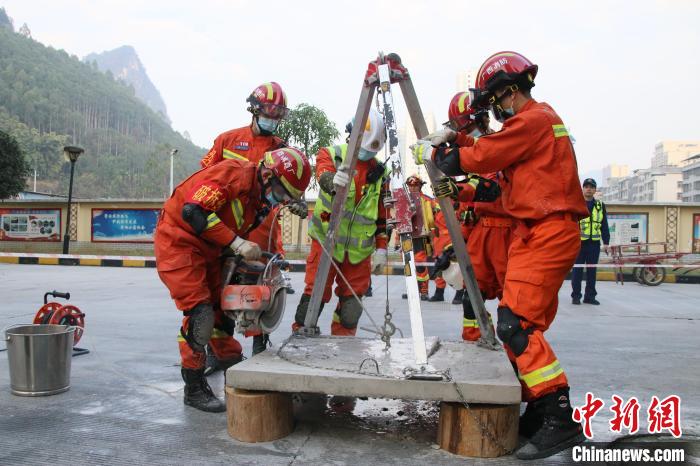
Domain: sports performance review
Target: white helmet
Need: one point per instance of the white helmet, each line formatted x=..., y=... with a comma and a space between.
x=374, y=137
x=453, y=276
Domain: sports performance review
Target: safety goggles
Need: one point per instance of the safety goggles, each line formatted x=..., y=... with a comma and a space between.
x=494, y=100
x=279, y=191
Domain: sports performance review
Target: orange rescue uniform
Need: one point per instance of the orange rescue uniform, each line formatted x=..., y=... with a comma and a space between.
x=242, y=144
x=189, y=264
x=542, y=193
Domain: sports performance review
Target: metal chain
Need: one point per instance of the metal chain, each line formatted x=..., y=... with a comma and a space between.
x=485, y=431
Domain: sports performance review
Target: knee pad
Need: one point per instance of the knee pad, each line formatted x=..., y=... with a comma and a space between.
x=510, y=332
x=350, y=311
x=199, y=327
x=303, y=308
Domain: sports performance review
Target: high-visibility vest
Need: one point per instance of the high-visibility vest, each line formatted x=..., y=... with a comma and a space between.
x=358, y=224
x=591, y=225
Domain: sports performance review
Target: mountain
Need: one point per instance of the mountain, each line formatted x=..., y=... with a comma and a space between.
x=49, y=98
x=124, y=64
x=5, y=21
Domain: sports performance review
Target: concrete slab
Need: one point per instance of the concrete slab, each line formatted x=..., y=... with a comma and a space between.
x=346, y=366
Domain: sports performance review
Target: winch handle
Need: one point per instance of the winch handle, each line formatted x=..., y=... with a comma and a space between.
x=56, y=294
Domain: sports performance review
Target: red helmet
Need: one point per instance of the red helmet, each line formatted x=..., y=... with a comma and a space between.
x=461, y=113
x=269, y=100
x=291, y=168
x=501, y=69
x=414, y=180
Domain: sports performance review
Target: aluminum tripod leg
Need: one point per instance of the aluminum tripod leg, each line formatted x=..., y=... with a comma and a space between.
x=417, y=333
x=341, y=193
x=488, y=337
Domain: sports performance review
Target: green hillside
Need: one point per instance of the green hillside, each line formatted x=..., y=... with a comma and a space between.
x=49, y=98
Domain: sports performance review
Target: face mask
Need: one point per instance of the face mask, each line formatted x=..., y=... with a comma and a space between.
x=476, y=133
x=502, y=114
x=271, y=199
x=267, y=125
x=366, y=155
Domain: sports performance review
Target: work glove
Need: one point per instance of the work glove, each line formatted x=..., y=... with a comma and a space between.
x=378, y=261
x=442, y=136
x=247, y=249
x=325, y=182
x=299, y=208
x=446, y=187
x=376, y=173
x=485, y=190
x=341, y=179
x=422, y=150
x=442, y=262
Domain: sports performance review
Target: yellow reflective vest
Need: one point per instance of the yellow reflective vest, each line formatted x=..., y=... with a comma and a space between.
x=591, y=226
x=359, y=221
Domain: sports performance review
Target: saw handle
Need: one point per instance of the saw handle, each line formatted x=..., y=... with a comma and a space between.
x=55, y=294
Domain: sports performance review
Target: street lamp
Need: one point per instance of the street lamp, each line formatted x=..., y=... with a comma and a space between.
x=71, y=153
x=172, y=154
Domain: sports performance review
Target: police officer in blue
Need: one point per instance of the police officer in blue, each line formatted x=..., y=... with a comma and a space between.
x=594, y=228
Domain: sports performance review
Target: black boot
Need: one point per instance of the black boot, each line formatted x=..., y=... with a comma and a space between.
x=531, y=420
x=199, y=394
x=438, y=296
x=215, y=364
x=558, y=431
x=459, y=295
x=260, y=343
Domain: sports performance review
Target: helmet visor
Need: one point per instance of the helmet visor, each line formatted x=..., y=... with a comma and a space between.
x=273, y=111
x=280, y=192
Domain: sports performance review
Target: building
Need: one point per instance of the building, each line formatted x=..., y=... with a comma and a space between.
x=691, y=179
x=125, y=226
x=662, y=184
x=466, y=80
x=672, y=153
x=614, y=171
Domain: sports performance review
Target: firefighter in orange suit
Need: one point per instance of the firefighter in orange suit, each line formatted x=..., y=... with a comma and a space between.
x=268, y=105
x=442, y=244
x=423, y=231
x=491, y=236
x=212, y=211
x=541, y=192
x=361, y=240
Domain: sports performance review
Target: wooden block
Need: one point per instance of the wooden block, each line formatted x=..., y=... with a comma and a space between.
x=258, y=416
x=460, y=433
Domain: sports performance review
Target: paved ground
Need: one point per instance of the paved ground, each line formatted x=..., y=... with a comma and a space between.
x=125, y=404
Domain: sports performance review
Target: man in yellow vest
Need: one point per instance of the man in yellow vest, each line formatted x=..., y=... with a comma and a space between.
x=362, y=229
x=594, y=228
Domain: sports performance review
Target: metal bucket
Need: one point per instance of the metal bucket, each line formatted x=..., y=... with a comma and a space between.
x=39, y=357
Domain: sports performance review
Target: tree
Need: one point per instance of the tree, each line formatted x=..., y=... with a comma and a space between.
x=308, y=128
x=13, y=167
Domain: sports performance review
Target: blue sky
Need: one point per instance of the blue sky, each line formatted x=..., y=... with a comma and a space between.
x=621, y=74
